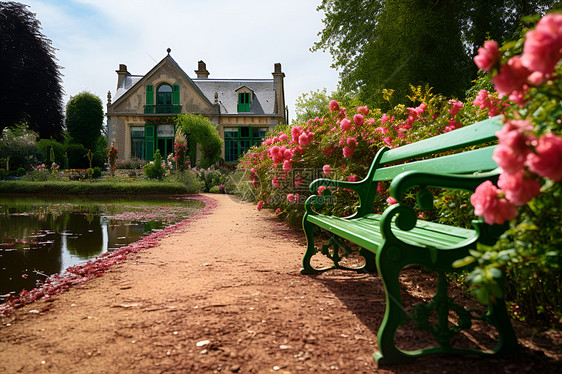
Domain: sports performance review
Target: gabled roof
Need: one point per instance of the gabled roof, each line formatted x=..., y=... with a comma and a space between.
x=130, y=81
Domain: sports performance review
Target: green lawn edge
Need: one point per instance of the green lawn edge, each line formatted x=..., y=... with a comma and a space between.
x=96, y=187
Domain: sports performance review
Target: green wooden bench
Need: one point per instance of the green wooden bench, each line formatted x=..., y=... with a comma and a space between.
x=397, y=238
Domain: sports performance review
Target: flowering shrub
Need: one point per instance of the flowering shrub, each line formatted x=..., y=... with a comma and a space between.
x=529, y=190
x=112, y=158
x=180, y=149
x=155, y=169
x=341, y=146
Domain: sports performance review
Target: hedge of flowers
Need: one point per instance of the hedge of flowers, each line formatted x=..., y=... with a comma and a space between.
x=342, y=145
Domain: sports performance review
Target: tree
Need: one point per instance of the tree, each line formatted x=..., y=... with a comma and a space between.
x=380, y=44
x=31, y=81
x=84, y=119
x=200, y=131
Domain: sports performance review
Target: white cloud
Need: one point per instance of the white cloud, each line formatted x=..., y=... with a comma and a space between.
x=237, y=39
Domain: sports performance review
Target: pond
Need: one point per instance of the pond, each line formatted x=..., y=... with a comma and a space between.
x=41, y=236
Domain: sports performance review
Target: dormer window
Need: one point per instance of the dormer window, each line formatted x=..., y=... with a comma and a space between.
x=244, y=102
x=245, y=96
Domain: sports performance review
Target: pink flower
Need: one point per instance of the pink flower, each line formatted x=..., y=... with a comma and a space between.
x=327, y=170
x=304, y=139
x=391, y=200
x=334, y=106
x=352, y=178
x=345, y=124
x=513, y=148
x=352, y=142
x=512, y=77
x=455, y=109
x=380, y=189
x=384, y=119
x=283, y=137
x=363, y=109
x=518, y=190
x=278, y=211
x=388, y=141
x=287, y=154
x=347, y=151
x=260, y=205
x=543, y=45
x=358, y=119
x=295, y=133
x=382, y=130
x=287, y=167
x=547, y=159
x=321, y=189
x=488, y=204
x=298, y=181
x=275, y=182
x=291, y=198
x=482, y=100
x=488, y=55
x=508, y=160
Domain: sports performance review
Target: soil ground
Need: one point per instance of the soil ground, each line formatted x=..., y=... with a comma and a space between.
x=224, y=294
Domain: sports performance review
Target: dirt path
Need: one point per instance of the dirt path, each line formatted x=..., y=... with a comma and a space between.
x=223, y=294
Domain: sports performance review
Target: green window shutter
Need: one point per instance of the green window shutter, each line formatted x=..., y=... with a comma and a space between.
x=149, y=139
x=175, y=95
x=149, y=94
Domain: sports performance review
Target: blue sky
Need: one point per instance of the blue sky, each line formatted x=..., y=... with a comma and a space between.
x=235, y=38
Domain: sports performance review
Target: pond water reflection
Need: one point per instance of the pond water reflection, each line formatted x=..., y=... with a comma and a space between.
x=40, y=237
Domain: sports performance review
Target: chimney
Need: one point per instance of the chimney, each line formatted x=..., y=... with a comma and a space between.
x=202, y=71
x=278, y=76
x=121, y=74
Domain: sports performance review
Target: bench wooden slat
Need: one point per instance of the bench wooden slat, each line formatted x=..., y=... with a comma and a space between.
x=478, y=160
x=460, y=138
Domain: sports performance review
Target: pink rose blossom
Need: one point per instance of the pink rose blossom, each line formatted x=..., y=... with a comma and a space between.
x=268, y=141
x=352, y=178
x=388, y=141
x=391, y=200
x=512, y=77
x=283, y=137
x=275, y=182
x=334, y=106
x=384, y=119
x=363, y=110
x=382, y=130
x=380, y=189
x=278, y=211
x=358, y=119
x=304, y=139
x=518, y=190
x=352, y=142
x=260, y=205
x=298, y=181
x=508, y=160
x=321, y=189
x=345, y=124
x=547, y=161
x=296, y=133
x=543, y=45
x=291, y=198
x=327, y=170
x=488, y=55
x=455, y=109
x=488, y=204
x=287, y=167
x=347, y=151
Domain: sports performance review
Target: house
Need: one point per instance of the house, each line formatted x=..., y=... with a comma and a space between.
x=140, y=118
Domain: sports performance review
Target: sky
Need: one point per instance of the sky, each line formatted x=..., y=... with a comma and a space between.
x=235, y=38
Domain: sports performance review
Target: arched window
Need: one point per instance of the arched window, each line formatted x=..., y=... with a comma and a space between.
x=164, y=95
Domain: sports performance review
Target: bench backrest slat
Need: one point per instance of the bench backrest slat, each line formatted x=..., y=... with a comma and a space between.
x=478, y=160
x=480, y=133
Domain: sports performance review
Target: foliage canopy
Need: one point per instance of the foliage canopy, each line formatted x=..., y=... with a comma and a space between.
x=84, y=119
x=200, y=131
x=31, y=81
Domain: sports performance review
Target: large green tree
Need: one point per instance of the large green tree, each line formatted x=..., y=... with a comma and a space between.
x=30, y=79
x=84, y=119
x=379, y=44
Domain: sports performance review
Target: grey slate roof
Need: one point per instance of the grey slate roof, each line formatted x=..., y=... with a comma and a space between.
x=128, y=82
x=263, y=101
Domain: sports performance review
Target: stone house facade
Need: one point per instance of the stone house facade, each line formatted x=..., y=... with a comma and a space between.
x=140, y=118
